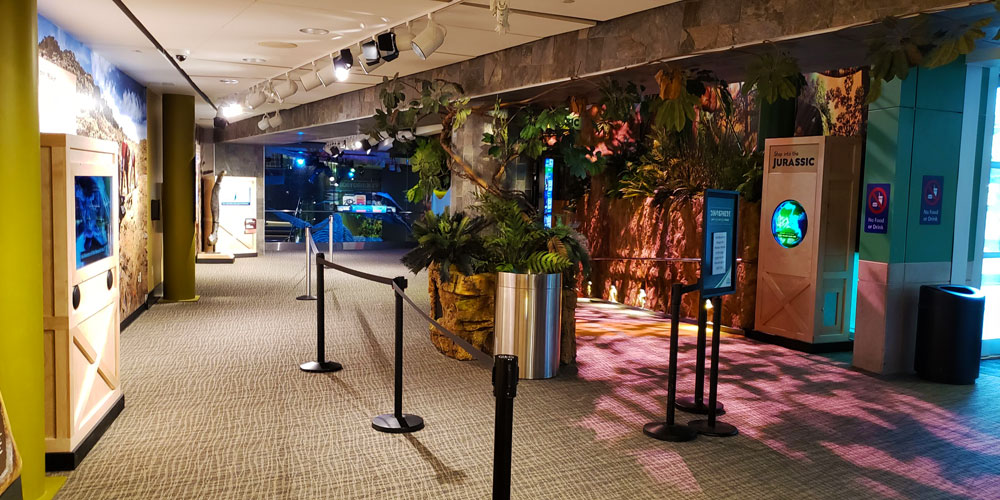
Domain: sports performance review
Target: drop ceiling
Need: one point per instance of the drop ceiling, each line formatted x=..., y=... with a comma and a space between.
x=219, y=36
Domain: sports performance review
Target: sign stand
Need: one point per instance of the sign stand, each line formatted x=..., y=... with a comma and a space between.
x=668, y=430
x=710, y=426
x=697, y=404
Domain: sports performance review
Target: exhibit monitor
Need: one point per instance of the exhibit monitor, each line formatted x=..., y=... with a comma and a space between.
x=805, y=273
x=80, y=276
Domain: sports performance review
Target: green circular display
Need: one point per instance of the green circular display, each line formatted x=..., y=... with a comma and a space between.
x=789, y=223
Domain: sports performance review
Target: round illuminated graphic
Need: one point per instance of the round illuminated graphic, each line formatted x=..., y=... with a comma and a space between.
x=789, y=223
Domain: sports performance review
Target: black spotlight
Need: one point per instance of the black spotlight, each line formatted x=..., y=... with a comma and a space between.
x=387, y=46
x=335, y=152
x=366, y=146
x=369, y=51
x=220, y=122
x=346, y=58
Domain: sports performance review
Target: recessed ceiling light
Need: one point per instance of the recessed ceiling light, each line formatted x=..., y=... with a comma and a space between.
x=254, y=60
x=384, y=19
x=314, y=31
x=362, y=25
x=229, y=81
x=336, y=37
x=278, y=45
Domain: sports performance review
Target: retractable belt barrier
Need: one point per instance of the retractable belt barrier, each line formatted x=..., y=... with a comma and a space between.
x=504, y=371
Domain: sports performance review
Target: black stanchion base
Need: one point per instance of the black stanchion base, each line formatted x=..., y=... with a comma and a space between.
x=720, y=429
x=389, y=423
x=672, y=433
x=698, y=407
x=306, y=297
x=317, y=367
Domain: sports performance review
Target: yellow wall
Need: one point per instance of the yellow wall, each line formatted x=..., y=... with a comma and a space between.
x=154, y=177
x=178, y=198
x=22, y=360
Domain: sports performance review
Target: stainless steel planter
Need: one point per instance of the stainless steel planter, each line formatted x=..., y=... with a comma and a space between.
x=528, y=322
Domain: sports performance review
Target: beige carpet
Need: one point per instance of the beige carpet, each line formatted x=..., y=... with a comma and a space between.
x=216, y=407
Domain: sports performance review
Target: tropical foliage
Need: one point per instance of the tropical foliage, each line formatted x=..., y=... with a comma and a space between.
x=447, y=240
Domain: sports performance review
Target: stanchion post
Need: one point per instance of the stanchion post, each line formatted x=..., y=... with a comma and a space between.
x=321, y=364
x=697, y=404
x=711, y=426
x=309, y=262
x=329, y=236
x=504, y=390
x=669, y=431
x=398, y=421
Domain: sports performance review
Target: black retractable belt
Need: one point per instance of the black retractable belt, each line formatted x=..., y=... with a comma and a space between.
x=504, y=389
x=397, y=421
x=321, y=364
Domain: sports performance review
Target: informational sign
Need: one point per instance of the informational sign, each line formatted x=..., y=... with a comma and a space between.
x=547, y=180
x=794, y=156
x=877, y=208
x=718, y=259
x=930, y=200
x=250, y=226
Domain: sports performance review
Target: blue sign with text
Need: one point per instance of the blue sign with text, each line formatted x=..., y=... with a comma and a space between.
x=718, y=257
x=877, y=208
x=931, y=192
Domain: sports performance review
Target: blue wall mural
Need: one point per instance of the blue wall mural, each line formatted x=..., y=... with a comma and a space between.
x=82, y=93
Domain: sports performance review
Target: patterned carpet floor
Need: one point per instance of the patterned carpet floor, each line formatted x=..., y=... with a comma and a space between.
x=216, y=407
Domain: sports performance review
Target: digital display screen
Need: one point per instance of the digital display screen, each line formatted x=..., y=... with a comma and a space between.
x=93, y=219
x=547, y=178
x=789, y=223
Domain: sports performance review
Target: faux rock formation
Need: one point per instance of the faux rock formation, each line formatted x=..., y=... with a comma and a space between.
x=466, y=306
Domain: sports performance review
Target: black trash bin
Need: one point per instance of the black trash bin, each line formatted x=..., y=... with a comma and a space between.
x=949, y=333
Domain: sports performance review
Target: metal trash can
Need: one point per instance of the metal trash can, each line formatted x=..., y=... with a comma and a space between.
x=528, y=322
x=949, y=333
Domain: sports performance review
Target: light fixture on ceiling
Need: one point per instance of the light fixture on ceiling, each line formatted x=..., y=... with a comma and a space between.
x=263, y=123
x=386, y=44
x=220, y=120
x=327, y=74
x=254, y=60
x=310, y=80
x=404, y=39
x=314, y=31
x=342, y=64
x=231, y=110
x=275, y=121
x=368, y=64
x=430, y=39
x=285, y=89
x=229, y=81
x=366, y=146
x=256, y=98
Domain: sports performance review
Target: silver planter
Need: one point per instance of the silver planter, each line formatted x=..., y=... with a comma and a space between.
x=528, y=322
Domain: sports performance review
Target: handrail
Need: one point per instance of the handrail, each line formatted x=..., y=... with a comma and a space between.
x=691, y=260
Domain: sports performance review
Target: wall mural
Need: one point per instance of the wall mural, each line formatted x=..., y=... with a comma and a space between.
x=80, y=92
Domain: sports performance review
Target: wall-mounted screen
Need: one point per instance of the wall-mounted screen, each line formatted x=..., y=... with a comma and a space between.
x=93, y=219
x=789, y=223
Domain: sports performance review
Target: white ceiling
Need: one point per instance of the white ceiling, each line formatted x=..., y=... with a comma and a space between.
x=216, y=36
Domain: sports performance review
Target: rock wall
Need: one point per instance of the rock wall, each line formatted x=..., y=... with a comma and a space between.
x=638, y=228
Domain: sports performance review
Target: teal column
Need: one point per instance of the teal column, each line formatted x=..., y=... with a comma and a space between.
x=178, y=210
x=914, y=130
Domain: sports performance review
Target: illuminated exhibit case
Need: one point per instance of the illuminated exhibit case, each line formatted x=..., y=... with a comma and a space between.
x=809, y=214
x=81, y=294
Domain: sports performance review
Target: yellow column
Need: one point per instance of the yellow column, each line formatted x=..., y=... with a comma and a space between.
x=178, y=198
x=22, y=360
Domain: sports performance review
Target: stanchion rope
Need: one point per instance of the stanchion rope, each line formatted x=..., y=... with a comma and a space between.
x=483, y=359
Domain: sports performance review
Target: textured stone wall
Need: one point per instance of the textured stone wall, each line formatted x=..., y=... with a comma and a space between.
x=670, y=31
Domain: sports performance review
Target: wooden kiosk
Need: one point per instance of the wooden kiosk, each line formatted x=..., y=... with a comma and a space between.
x=80, y=276
x=809, y=212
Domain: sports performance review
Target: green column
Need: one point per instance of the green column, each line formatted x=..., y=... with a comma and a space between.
x=178, y=198
x=22, y=359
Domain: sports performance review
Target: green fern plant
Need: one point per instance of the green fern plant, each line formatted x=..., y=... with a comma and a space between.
x=447, y=240
x=543, y=262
